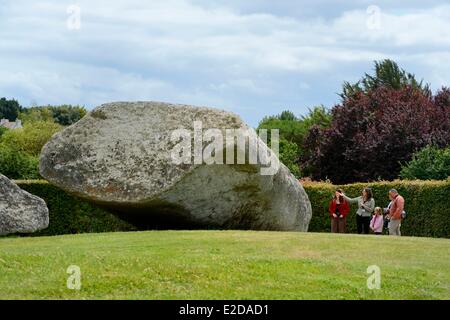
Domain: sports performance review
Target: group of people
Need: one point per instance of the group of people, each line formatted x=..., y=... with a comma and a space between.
x=368, y=217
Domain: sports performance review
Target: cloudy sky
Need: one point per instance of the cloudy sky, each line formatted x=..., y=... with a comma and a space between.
x=255, y=57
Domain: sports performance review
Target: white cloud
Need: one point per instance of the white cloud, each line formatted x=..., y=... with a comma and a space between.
x=206, y=53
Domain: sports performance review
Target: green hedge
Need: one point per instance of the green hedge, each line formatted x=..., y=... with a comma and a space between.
x=69, y=214
x=426, y=202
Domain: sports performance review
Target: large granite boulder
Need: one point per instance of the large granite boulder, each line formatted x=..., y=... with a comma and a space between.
x=20, y=211
x=121, y=156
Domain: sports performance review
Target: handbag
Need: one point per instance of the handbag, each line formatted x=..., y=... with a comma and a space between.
x=404, y=214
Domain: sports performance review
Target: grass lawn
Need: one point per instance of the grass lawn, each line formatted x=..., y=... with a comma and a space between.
x=224, y=265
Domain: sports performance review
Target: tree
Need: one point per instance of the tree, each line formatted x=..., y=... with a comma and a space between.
x=442, y=102
x=387, y=74
x=289, y=156
x=9, y=109
x=372, y=133
x=442, y=98
x=287, y=116
x=64, y=114
x=317, y=116
x=35, y=114
x=290, y=128
x=292, y=131
x=428, y=163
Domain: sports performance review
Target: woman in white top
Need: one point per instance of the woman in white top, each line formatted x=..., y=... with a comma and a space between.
x=366, y=205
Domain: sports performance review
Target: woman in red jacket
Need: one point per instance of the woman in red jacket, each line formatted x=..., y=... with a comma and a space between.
x=339, y=208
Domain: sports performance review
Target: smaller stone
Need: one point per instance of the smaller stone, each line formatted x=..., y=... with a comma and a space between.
x=20, y=211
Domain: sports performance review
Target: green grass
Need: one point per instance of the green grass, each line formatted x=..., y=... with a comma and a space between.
x=224, y=265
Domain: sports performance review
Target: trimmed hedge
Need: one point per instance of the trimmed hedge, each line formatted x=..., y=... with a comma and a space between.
x=69, y=214
x=427, y=204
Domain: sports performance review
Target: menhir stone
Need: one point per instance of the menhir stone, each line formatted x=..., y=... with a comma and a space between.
x=20, y=211
x=121, y=156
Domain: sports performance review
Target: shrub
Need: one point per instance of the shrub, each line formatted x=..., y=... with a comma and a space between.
x=72, y=215
x=2, y=131
x=426, y=202
x=18, y=165
x=31, y=138
x=20, y=149
x=427, y=164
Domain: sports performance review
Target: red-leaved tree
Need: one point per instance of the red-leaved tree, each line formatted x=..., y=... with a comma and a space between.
x=373, y=132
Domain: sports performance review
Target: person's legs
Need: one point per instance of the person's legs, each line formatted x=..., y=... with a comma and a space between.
x=342, y=225
x=397, y=229
x=366, y=224
x=333, y=225
x=394, y=228
x=386, y=226
x=391, y=227
x=358, y=224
